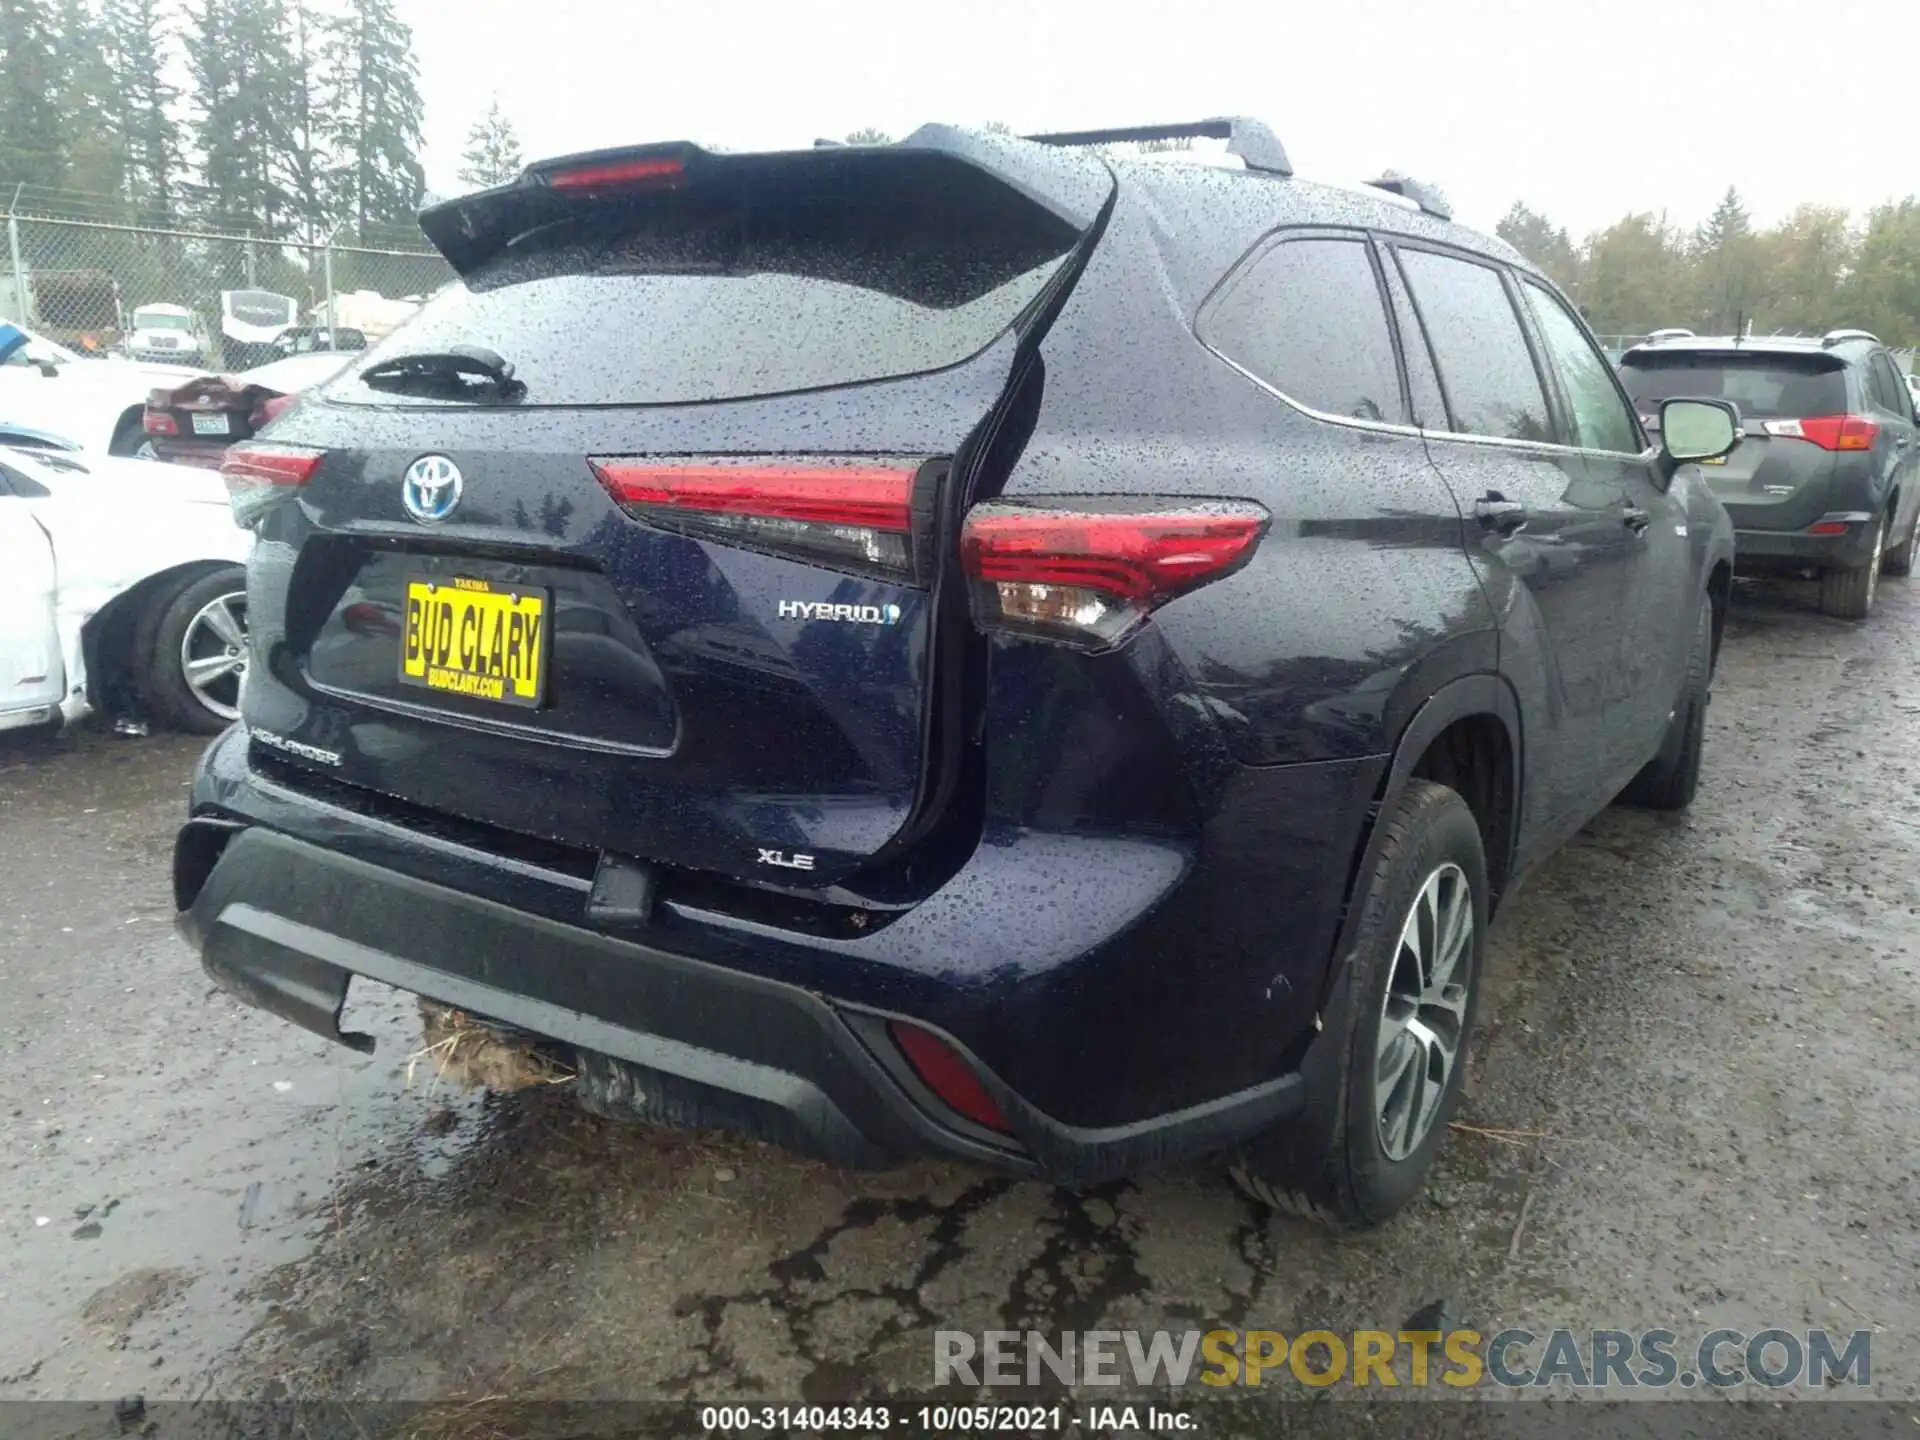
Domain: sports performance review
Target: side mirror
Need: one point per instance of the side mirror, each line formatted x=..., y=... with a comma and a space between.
x=1694, y=430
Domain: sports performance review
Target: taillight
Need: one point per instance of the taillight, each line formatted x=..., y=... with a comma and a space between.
x=1829, y=432
x=158, y=422
x=260, y=475
x=616, y=175
x=1090, y=576
x=947, y=1074
x=852, y=514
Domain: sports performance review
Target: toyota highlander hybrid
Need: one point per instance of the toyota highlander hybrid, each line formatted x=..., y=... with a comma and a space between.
x=974, y=645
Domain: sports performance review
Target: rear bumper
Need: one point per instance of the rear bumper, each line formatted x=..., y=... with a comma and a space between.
x=1758, y=550
x=800, y=1058
x=202, y=454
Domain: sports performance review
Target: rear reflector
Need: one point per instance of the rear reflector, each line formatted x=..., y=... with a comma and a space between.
x=616, y=175
x=1092, y=575
x=851, y=514
x=939, y=1065
x=1829, y=432
x=259, y=475
x=1827, y=527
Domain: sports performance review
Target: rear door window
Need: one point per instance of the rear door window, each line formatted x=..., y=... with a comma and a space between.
x=1761, y=384
x=1485, y=366
x=1306, y=317
x=1888, y=388
x=1599, y=417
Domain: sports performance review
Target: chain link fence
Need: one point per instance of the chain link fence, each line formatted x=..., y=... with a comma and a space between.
x=81, y=282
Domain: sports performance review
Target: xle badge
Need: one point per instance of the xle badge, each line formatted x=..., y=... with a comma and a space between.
x=786, y=861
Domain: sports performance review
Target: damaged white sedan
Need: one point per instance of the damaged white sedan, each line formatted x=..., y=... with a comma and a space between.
x=122, y=588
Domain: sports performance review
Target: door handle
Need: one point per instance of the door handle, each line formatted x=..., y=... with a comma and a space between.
x=1900, y=441
x=1497, y=513
x=1635, y=519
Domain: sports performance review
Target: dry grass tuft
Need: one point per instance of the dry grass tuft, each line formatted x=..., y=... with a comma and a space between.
x=472, y=1054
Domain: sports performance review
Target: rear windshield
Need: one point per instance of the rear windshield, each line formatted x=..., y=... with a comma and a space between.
x=645, y=308
x=1759, y=384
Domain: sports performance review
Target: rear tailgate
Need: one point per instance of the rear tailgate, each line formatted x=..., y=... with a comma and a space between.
x=1768, y=482
x=680, y=600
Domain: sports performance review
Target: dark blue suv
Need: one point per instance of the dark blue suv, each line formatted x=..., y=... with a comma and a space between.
x=976, y=645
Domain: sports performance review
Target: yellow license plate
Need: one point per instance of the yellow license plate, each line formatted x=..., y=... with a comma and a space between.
x=473, y=637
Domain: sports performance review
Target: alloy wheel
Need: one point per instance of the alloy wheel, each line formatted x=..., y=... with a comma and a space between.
x=1424, y=1012
x=213, y=653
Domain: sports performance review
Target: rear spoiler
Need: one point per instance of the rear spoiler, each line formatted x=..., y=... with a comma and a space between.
x=477, y=228
x=1252, y=140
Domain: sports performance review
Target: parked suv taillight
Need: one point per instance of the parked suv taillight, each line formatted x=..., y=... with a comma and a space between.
x=260, y=475
x=1089, y=571
x=848, y=514
x=1829, y=432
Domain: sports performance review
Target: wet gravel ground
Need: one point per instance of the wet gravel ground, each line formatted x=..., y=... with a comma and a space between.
x=1693, y=1104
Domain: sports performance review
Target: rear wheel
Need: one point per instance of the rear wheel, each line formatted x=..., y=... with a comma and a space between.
x=1848, y=593
x=1670, y=780
x=196, y=656
x=131, y=441
x=1899, y=560
x=1361, y=1149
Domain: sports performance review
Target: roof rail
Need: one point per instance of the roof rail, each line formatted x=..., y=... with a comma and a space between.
x=1834, y=337
x=1675, y=333
x=1425, y=196
x=1252, y=140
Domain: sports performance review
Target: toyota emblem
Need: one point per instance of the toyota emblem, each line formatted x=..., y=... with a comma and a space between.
x=431, y=489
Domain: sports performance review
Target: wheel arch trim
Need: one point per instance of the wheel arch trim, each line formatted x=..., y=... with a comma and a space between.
x=1484, y=693
x=110, y=638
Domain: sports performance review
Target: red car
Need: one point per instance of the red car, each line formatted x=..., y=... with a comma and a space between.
x=192, y=424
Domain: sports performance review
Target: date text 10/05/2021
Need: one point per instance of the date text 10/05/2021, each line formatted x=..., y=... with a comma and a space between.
x=943, y=1419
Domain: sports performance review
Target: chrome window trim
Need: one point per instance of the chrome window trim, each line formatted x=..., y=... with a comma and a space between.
x=1387, y=427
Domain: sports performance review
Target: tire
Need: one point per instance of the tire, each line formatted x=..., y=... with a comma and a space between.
x=1670, y=780
x=130, y=441
x=1899, y=560
x=189, y=626
x=1848, y=594
x=1346, y=1159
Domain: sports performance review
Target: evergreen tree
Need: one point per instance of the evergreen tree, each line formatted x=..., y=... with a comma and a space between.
x=239, y=53
x=30, y=129
x=136, y=50
x=94, y=149
x=302, y=161
x=1726, y=271
x=492, y=155
x=867, y=135
x=374, y=109
x=208, y=40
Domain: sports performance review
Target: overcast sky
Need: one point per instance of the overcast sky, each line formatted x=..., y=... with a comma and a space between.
x=1585, y=112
